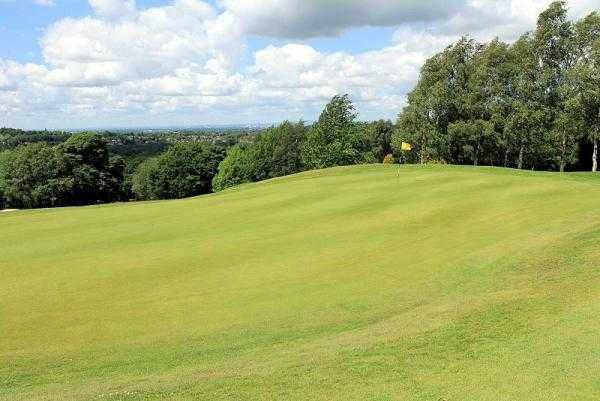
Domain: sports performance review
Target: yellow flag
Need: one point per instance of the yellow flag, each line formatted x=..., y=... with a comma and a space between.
x=406, y=146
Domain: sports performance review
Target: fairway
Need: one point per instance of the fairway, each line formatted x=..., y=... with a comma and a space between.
x=353, y=283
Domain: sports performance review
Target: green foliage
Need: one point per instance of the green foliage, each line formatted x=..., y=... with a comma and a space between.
x=389, y=159
x=553, y=45
x=527, y=104
x=184, y=170
x=275, y=152
x=78, y=172
x=36, y=175
x=143, y=181
x=4, y=159
x=234, y=170
x=335, y=139
x=586, y=77
x=440, y=98
x=473, y=137
x=379, y=134
x=96, y=177
x=568, y=129
x=88, y=149
x=11, y=138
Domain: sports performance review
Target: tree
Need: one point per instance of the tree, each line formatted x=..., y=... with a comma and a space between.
x=527, y=124
x=233, y=170
x=474, y=136
x=144, y=180
x=440, y=98
x=97, y=177
x=88, y=149
x=587, y=78
x=554, y=48
x=186, y=169
x=490, y=93
x=36, y=176
x=334, y=140
x=568, y=126
x=274, y=153
x=417, y=122
x=379, y=135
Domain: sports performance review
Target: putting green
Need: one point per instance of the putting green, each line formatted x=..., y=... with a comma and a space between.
x=355, y=283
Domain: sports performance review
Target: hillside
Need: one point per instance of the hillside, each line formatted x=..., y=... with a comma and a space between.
x=357, y=283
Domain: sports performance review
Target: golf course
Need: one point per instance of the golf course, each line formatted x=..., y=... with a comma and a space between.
x=372, y=282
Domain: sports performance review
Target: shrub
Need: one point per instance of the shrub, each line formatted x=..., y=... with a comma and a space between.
x=389, y=159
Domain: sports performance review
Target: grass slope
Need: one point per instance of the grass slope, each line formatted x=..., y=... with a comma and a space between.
x=453, y=283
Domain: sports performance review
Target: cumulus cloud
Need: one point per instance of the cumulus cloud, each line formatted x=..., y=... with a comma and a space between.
x=139, y=45
x=186, y=62
x=311, y=18
x=113, y=8
x=300, y=74
x=486, y=19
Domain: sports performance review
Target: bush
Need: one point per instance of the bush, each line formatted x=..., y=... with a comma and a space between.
x=389, y=159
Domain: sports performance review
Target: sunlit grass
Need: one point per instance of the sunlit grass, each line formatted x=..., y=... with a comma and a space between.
x=357, y=283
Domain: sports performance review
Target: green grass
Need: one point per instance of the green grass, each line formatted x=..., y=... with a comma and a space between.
x=358, y=283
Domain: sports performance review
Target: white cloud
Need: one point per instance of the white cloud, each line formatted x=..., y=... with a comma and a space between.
x=186, y=62
x=310, y=18
x=139, y=45
x=298, y=77
x=114, y=8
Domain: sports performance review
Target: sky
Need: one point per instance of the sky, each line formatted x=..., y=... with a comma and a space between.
x=76, y=64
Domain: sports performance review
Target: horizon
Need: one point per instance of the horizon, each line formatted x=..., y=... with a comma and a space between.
x=184, y=63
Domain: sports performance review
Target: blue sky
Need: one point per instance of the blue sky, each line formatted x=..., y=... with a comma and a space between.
x=119, y=63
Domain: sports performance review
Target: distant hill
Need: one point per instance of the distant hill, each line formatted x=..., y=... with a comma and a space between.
x=357, y=283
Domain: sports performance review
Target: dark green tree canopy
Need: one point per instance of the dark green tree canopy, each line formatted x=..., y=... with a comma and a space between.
x=186, y=169
x=36, y=176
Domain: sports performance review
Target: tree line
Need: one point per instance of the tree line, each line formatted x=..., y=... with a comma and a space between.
x=534, y=103
x=83, y=170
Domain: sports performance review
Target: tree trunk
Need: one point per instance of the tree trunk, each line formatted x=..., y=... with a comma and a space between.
x=521, y=154
x=475, y=159
x=423, y=147
x=506, y=152
x=595, y=157
x=563, y=151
